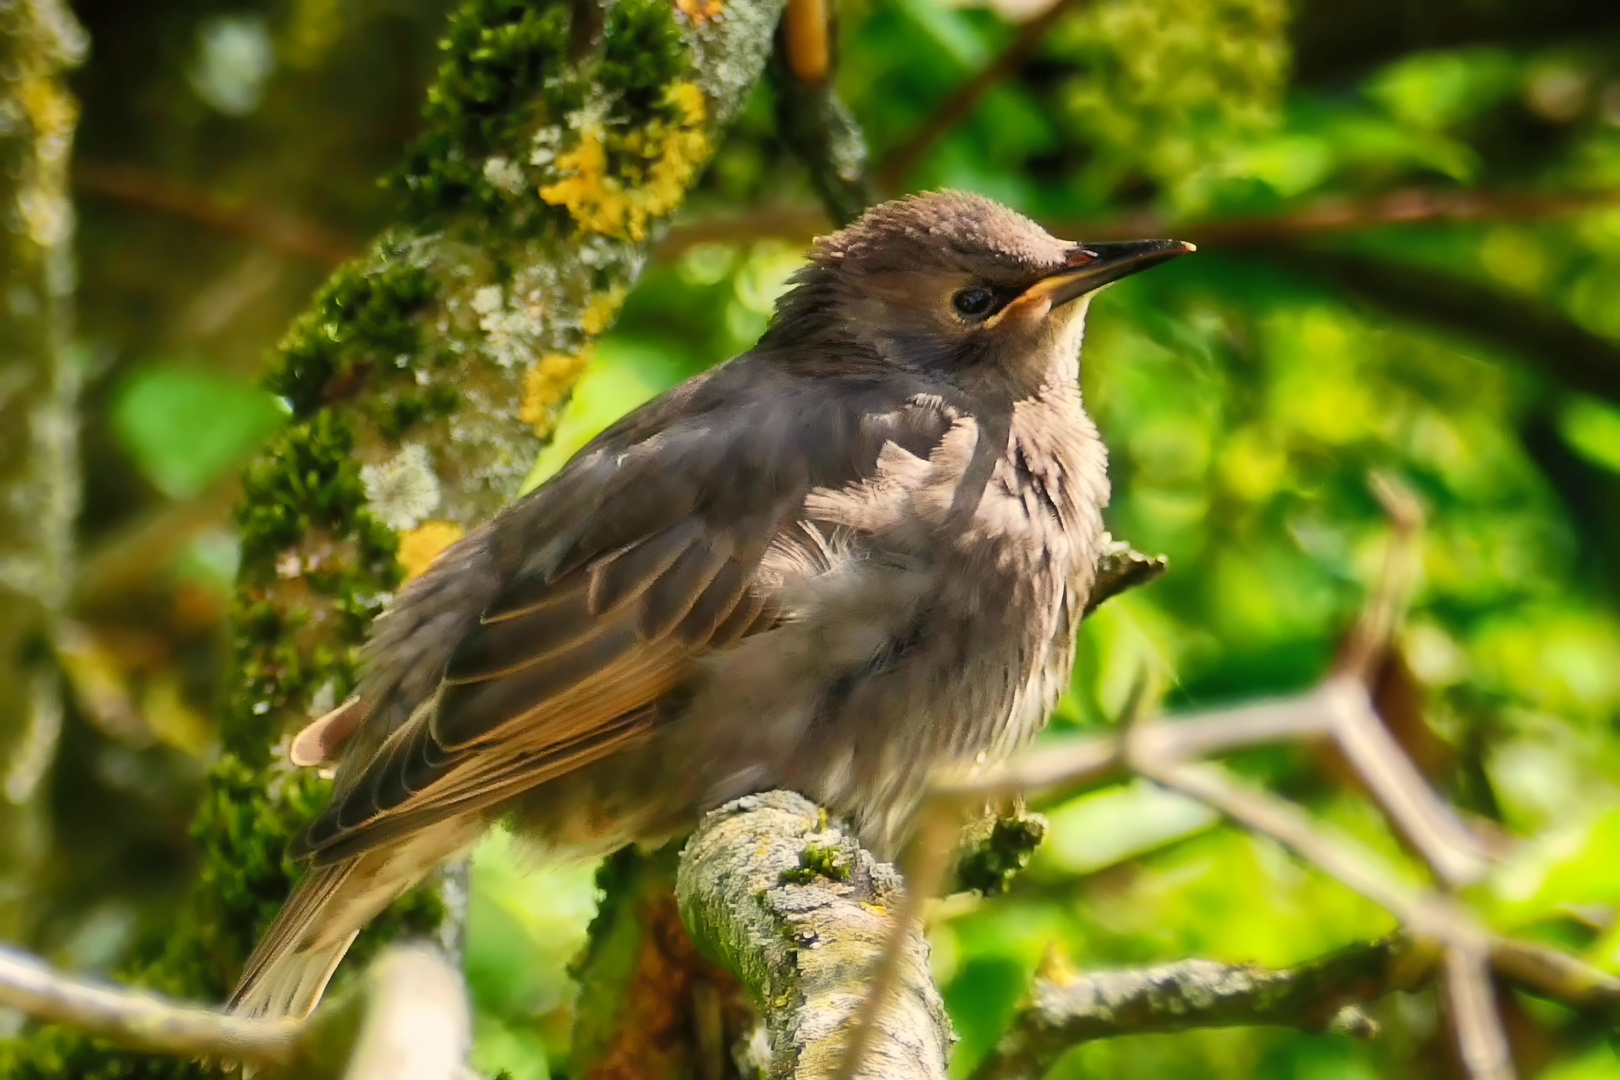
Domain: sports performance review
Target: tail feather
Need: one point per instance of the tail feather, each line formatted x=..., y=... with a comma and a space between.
x=297, y=956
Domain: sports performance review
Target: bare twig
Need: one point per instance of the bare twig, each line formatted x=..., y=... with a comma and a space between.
x=1557, y=977
x=1452, y=852
x=1427, y=915
x=1470, y=994
x=1282, y=821
x=1407, y=207
x=413, y=1021
x=139, y=1020
x=1386, y=607
x=273, y=229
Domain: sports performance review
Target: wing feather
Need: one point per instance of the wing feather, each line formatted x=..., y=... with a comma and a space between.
x=554, y=636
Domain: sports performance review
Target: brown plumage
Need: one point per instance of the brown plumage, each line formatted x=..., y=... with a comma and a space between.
x=850, y=556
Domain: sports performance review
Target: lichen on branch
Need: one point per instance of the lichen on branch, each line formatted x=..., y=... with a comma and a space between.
x=420, y=384
x=799, y=912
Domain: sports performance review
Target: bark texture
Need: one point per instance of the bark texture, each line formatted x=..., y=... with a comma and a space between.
x=798, y=912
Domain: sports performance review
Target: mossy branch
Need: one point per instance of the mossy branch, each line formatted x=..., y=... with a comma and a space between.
x=421, y=383
x=798, y=912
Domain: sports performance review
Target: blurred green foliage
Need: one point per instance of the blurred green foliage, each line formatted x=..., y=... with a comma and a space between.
x=1246, y=395
x=185, y=428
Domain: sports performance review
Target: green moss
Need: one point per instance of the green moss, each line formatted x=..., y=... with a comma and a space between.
x=989, y=865
x=396, y=414
x=362, y=318
x=505, y=75
x=306, y=480
x=55, y=1053
x=817, y=860
x=628, y=881
x=497, y=55
x=643, y=52
x=305, y=477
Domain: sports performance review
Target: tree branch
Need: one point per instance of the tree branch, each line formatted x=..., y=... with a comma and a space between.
x=422, y=381
x=1121, y=568
x=410, y=1022
x=796, y=910
x=1547, y=340
x=819, y=128
x=39, y=455
x=278, y=231
x=1066, y=1009
x=1327, y=217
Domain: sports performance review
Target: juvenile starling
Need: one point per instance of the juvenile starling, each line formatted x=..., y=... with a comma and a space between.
x=854, y=554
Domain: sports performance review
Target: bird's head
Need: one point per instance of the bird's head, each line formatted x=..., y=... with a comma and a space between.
x=958, y=285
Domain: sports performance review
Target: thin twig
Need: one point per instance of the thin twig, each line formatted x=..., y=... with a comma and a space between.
x=1281, y=820
x=1386, y=607
x=1406, y=207
x=1065, y=1008
x=1557, y=977
x=1481, y=1040
x=966, y=97
x=274, y=229
x=1452, y=853
x=1427, y=915
x=798, y=224
x=142, y=1021
x=414, y=1022
x=1439, y=836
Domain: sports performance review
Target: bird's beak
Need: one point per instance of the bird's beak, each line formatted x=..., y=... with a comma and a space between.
x=1094, y=265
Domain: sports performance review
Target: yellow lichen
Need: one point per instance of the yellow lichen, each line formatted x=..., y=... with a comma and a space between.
x=546, y=386
x=701, y=12
x=615, y=184
x=602, y=310
x=423, y=544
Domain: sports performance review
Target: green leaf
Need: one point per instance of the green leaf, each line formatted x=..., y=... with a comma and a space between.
x=186, y=427
x=1592, y=430
x=1438, y=89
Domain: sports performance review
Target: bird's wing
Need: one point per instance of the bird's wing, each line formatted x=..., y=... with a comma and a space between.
x=547, y=640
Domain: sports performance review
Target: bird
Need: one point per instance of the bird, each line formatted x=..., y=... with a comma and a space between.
x=855, y=554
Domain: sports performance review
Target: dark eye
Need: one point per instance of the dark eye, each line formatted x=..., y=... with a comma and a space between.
x=973, y=302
